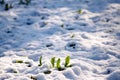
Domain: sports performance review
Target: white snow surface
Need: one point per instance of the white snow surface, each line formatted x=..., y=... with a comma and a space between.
x=54, y=28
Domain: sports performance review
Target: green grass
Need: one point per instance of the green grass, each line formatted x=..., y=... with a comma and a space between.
x=67, y=61
x=18, y=61
x=53, y=61
x=40, y=61
x=79, y=11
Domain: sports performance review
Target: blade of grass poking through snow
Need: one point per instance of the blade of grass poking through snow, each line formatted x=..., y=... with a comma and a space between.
x=52, y=61
x=40, y=61
x=79, y=11
x=58, y=64
x=67, y=61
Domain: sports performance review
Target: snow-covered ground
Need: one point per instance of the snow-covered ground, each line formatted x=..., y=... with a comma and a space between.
x=54, y=28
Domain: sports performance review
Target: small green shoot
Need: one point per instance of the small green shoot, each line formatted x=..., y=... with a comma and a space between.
x=52, y=61
x=40, y=61
x=79, y=11
x=67, y=61
x=58, y=64
x=18, y=61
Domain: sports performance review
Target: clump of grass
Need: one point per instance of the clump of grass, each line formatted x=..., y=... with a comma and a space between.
x=79, y=11
x=52, y=61
x=40, y=61
x=58, y=65
x=18, y=61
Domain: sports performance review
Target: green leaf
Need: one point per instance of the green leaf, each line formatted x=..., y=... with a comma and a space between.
x=52, y=61
x=40, y=61
x=67, y=61
x=58, y=64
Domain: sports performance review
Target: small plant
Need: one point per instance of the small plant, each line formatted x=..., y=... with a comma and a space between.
x=58, y=64
x=67, y=61
x=52, y=61
x=18, y=61
x=79, y=11
x=40, y=61
x=2, y=2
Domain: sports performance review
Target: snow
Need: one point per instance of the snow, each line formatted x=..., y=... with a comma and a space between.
x=54, y=28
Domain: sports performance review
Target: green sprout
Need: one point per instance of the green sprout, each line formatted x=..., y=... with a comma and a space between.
x=52, y=61
x=58, y=64
x=18, y=61
x=40, y=61
x=67, y=61
x=79, y=11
